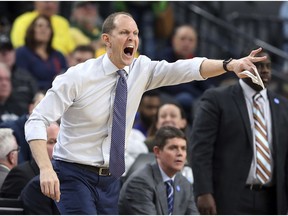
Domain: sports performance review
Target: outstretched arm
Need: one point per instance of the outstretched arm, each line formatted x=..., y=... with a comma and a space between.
x=211, y=68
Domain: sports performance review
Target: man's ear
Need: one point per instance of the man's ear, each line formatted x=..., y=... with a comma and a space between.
x=156, y=151
x=106, y=39
x=11, y=157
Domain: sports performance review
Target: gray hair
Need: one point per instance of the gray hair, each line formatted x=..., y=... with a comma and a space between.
x=7, y=142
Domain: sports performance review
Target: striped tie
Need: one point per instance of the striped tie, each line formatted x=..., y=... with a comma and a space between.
x=263, y=156
x=117, y=161
x=170, y=196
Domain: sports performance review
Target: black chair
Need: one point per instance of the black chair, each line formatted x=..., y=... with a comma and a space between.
x=10, y=206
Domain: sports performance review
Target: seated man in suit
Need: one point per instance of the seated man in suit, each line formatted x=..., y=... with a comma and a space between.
x=146, y=191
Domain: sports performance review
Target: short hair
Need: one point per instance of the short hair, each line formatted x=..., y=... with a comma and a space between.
x=109, y=25
x=165, y=133
x=84, y=48
x=7, y=142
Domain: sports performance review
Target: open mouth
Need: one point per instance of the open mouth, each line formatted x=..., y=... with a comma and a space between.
x=129, y=50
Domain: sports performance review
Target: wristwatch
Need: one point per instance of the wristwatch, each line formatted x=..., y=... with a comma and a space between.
x=225, y=63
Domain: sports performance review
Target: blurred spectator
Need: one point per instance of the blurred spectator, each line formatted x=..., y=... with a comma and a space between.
x=135, y=146
x=147, y=110
x=38, y=56
x=18, y=130
x=80, y=54
x=86, y=24
x=184, y=45
x=62, y=40
x=20, y=175
x=23, y=84
x=9, y=110
x=144, y=192
x=8, y=153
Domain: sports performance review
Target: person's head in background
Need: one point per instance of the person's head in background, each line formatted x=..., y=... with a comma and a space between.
x=52, y=133
x=80, y=54
x=40, y=34
x=8, y=148
x=170, y=149
x=47, y=8
x=168, y=114
x=7, y=52
x=265, y=71
x=184, y=41
x=85, y=14
x=5, y=83
x=36, y=100
x=148, y=108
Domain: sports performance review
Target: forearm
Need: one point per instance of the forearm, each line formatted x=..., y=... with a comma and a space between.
x=40, y=154
x=211, y=68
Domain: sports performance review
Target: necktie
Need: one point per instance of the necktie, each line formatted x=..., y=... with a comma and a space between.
x=263, y=156
x=117, y=161
x=170, y=196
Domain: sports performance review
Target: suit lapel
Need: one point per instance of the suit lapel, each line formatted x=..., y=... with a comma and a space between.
x=160, y=189
x=238, y=97
x=275, y=116
x=177, y=193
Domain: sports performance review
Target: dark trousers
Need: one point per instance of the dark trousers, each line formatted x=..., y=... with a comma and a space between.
x=261, y=201
x=85, y=192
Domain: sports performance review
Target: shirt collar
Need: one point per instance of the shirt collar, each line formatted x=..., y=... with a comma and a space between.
x=249, y=92
x=110, y=68
x=164, y=176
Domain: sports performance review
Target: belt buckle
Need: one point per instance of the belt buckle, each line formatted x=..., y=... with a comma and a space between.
x=102, y=172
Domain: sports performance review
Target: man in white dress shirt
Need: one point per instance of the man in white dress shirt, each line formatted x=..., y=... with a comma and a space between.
x=83, y=98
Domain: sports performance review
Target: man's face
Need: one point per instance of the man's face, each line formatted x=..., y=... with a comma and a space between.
x=52, y=133
x=79, y=57
x=47, y=8
x=170, y=115
x=172, y=157
x=122, y=42
x=148, y=109
x=185, y=42
x=8, y=57
x=264, y=70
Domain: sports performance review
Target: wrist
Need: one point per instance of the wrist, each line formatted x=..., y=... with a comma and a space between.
x=226, y=64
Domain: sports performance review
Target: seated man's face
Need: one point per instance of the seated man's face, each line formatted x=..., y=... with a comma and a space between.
x=172, y=157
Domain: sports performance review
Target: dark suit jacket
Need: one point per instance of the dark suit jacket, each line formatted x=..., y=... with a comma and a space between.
x=17, y=179
x=35, y=202
x=222, y=146
x=144, y=192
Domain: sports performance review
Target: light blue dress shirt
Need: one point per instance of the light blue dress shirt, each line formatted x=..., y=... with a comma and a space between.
x=83, y=98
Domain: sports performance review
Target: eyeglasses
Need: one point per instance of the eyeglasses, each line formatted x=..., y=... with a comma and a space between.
x=18, y=149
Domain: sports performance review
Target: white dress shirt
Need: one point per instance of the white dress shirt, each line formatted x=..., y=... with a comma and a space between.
x=83, y=98
x=249, y=93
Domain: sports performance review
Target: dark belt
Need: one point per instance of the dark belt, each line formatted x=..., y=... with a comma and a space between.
x=258, y=187
x=102, y=171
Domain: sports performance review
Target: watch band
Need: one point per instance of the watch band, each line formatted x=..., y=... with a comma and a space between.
x=225, y=63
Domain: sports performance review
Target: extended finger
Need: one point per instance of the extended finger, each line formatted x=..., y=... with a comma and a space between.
x=254, y=52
